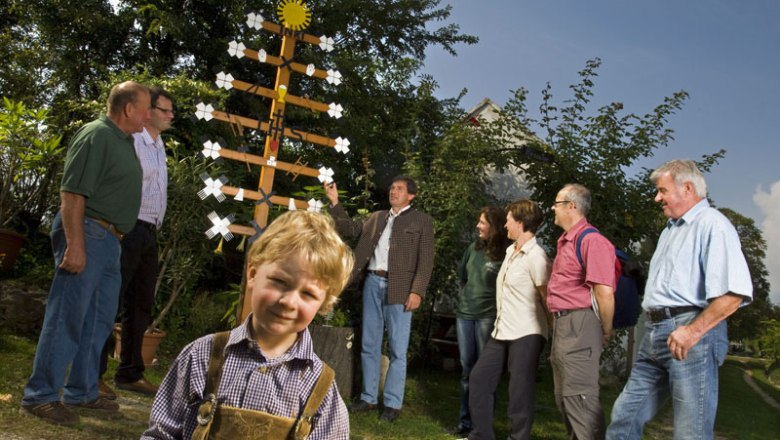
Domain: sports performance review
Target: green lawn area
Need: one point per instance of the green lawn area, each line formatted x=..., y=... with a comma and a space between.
x=430, y=408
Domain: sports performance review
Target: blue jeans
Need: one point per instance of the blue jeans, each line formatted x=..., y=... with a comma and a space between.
x=376, y=314
x=472, y=336
x=79, y=316
x=692, y=383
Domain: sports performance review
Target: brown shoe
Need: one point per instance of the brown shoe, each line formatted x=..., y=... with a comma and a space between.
x=99, y=404
x=140, y=386
x=52, y=412
x=105, y=391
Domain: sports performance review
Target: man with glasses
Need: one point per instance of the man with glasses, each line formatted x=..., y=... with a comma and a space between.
x=140, y=265
x=581, y=299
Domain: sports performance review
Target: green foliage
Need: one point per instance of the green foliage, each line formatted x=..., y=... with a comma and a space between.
x=29, y=163
x=769, y=341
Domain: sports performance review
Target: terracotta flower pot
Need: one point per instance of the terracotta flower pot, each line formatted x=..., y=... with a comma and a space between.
x=151, y=342
x=10, y=245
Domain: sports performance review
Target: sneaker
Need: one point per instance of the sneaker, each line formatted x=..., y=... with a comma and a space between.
x=361, y=406
x=105, y=391
x=390, y=414
x=53, y=412
x=99, y=404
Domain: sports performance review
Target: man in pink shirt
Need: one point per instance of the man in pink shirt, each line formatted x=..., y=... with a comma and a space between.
x=579, y=331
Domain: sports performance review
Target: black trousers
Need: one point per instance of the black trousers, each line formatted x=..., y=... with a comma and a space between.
x=140, y=267
x=521, y=357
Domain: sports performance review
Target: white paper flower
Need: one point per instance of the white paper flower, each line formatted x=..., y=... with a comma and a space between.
x=220, y=226
x=291, y=205
x=314, y=205
x=334, y=77
x=203, y=111
x=211, y=149
x=254, y=21
x=224, y=81
x=262, y=55
x=213, y=187
x=335, y=110
x=326, y=175
x=342, y=145
x=239, y=195
x=271, y=162
x=326, y=43
x=236, y=49
x=310, y=69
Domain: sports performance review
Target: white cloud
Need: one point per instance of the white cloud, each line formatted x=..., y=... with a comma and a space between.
x=769, y=202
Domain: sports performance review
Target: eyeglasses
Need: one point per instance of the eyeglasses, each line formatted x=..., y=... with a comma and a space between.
x=165, y=110
x=558, y=202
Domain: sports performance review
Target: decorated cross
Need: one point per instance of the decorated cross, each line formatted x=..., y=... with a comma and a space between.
x=295, y=16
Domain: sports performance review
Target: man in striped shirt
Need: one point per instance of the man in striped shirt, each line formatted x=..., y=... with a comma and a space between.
x=140, y=265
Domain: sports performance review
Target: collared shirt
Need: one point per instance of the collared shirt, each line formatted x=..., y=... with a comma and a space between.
x=519, y=304
x=379, y=261
x=569, y=286
x=154, y=192
x=698, y=258
x=279, y=386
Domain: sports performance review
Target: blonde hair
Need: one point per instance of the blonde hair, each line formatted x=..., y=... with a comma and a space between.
x=313, y=237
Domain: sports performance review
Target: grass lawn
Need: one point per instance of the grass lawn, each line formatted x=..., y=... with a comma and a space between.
x=430, y=408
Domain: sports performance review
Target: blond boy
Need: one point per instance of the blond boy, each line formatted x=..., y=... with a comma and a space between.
x=266, y=382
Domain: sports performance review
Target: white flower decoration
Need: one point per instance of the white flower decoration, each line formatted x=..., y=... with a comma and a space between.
x=326, y=43
x=211, y=149
x=314, y=205
x=254, y=21
x=213, y=187
x=334, y=77
x=220, y=226
x=262, y=55
x=224, y=81
x=236, y=49
x=310, y=69
x=203, y=111
x=291, y=205
x=335, y=110
x=239, y=195
x=326, y=175
x=342, y=145
x=271, y=162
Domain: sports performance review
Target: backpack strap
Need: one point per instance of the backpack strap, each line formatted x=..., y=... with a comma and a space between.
x=208, y=407
x=303, y=426
x=578, y=246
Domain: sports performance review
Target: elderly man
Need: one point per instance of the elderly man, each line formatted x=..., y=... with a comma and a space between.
x=698, y=277
x=140, y=265
x=101, y=195
x=582, y=301
x=395, y=256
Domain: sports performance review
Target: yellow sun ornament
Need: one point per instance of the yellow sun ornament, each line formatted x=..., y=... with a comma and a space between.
x=294, y=14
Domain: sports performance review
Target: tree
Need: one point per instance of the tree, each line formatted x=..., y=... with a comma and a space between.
x=748, y=322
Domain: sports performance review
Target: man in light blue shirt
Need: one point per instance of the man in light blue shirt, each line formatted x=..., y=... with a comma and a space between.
x=698, y=277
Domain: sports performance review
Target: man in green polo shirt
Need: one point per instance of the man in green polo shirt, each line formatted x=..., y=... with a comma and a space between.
x=100, y=198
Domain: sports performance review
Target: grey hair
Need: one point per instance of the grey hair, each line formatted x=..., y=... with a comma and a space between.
x=579, y=195
x=682, y=170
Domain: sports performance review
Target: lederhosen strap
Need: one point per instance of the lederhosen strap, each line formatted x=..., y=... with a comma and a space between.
x=208, y=408
x=303, y=426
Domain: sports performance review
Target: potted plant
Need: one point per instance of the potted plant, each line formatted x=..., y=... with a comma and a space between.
x=30, y=156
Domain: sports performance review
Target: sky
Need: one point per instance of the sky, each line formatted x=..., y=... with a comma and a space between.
x=725, y=54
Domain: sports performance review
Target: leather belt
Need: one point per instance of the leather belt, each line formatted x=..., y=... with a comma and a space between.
x=561, y=313
x=379, y=273
x=658, y=315
x=150, y=226
x=110, y=227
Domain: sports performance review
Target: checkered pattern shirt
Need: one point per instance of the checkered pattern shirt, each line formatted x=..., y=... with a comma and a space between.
x=151, y=155
x=279, y=386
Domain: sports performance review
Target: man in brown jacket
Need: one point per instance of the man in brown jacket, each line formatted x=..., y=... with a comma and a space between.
x=394, y=260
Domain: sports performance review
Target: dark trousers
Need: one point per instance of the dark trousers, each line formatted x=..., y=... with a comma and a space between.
x=521, y=357
x=140, y=267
